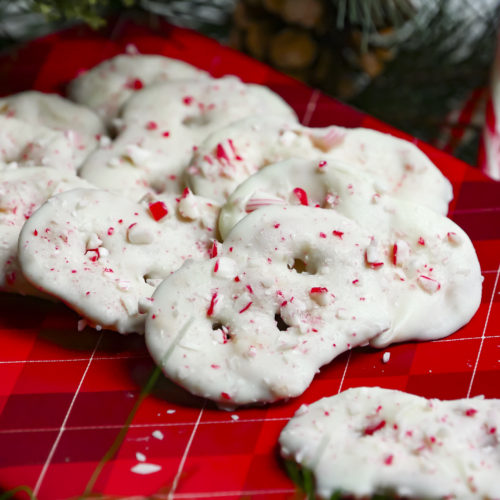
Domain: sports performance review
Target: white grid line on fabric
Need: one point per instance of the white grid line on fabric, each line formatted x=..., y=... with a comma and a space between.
x=465, y=338
x=210, y=494
x=144, y=426
x=311, y=107
x=184, y=456
x=45, y=467
x=483, y=335
x=145, y=356
x=72, y=360
x=344, y=373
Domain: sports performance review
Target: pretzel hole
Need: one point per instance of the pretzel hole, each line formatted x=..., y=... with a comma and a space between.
x=226, y=335
x=280, y=323
x=298, y=265
x=151, y=280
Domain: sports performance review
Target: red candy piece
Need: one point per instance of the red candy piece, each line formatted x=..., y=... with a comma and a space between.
x=135, y=84
x=301, y=196
x=213, y=302
x=221, y=153
x=158, y=210
x=374, y=428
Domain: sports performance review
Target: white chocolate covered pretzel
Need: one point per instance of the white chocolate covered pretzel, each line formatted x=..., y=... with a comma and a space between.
x=257, y=321
x=104, y=255
x=228, y=156
x=164, y=123
x=293, y=287
x=426, y=263
x=107, y=86
x=26, y=145
x=22, y=191
x=80, y=125
x=368, y=441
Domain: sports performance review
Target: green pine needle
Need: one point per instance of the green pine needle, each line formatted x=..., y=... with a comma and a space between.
x=90, y=11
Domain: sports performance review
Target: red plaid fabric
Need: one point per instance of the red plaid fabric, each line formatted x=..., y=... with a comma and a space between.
x=72, y=417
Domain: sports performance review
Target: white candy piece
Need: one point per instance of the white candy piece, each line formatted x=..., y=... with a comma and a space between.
x=22, y=191
x=395, y=166
x=80, y=125
x=138, y=245
x=107, y=86
x=260, y=332
x=434, y=287
x=368, y=441
x=26, y=145
x=164, y=123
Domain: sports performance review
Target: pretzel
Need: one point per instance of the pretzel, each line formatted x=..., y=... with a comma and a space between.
x=104, y=255
x=107, y=86
x=291, y=288
x=426, y=252
x=22, y=191
x=80, y=125
x=163, y=124
x=230, y=155
x=250, y=325
x=368, y=441
x=26, y=145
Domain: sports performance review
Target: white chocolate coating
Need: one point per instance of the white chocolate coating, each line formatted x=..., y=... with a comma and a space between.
x=164, y=123
x=397, y=167
x=26, y=145
x=104, y=255
x=427, y=265
x=22, y=191
x=249, y=325
x=230, y=155
x=107, y=86
x=79, y=124
x=368, y=441
x=401, y=169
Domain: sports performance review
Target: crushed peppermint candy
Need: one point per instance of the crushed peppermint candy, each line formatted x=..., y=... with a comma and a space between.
x=158, y=210
x=373, y=256
x=144, y=468
x=301, y=195
x=428, y=284
x=158, y=435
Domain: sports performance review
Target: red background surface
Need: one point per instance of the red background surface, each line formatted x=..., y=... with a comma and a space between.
x=67, y=396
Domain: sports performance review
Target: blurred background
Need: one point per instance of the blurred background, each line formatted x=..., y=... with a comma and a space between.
x=421, y=65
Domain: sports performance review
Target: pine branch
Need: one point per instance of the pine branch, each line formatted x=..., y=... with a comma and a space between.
x=90, y=11
x=371, y=14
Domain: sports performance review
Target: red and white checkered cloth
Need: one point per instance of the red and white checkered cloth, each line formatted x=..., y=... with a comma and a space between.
x=73, y=413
